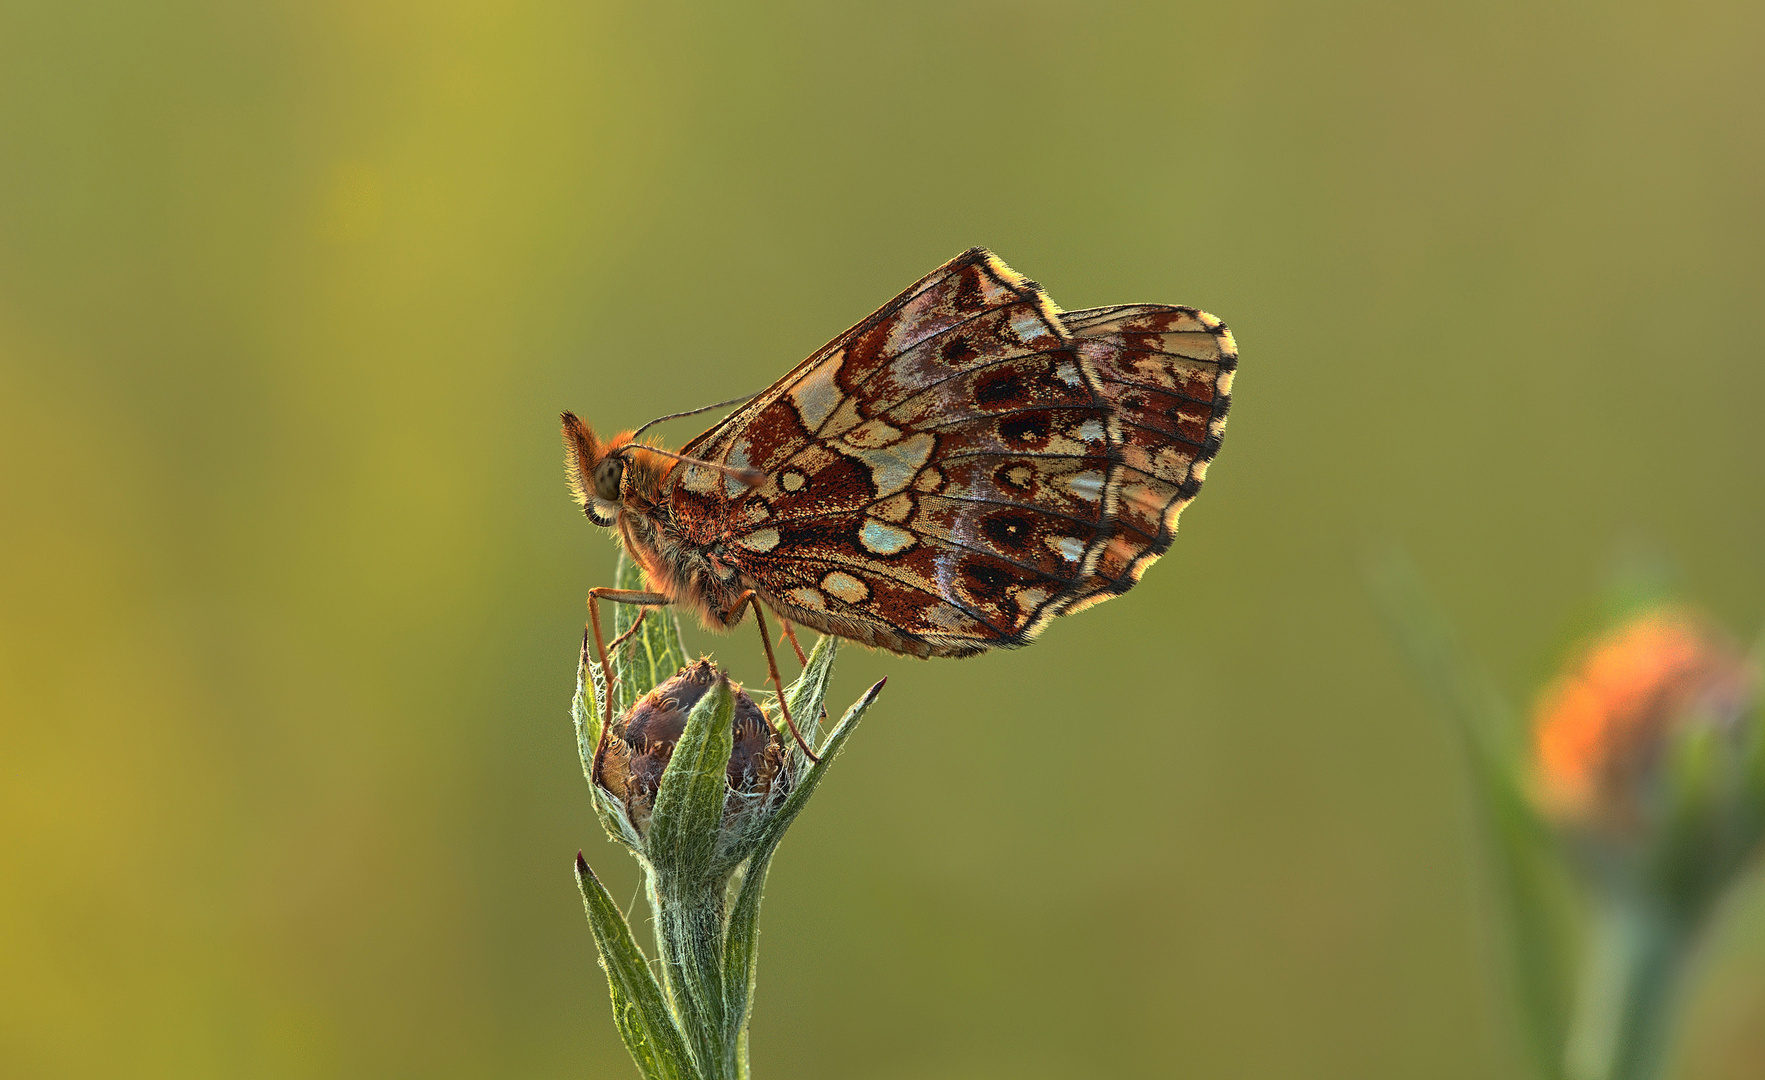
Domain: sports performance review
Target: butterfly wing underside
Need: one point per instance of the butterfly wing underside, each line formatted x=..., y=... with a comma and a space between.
x=948, y=475
x=1167, y=373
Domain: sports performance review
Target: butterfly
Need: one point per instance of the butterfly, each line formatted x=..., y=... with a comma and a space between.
x=945, y=477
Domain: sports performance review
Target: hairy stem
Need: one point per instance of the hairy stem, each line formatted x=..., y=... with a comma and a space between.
x=690, y=923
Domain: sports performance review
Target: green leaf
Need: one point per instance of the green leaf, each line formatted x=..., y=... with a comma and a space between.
x=745, y=823
x=682, y=849
x=585, y=713
x=805, y=787
x=805, y=697
x=1532, y=889
x=653, y=655
x=639, y=1007
x=688, y=813
x=742, y=949
x=585, y=707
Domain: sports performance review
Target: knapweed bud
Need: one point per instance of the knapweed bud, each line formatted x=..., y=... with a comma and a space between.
x=692, y=779
x=630, y=762
x=1605, y=727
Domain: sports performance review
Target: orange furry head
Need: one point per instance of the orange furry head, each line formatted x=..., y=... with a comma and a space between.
x=595, y=469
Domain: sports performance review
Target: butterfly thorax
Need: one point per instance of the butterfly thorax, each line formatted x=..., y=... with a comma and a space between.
x=679, y=558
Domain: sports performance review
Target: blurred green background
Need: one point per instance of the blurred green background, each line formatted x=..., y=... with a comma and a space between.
x=290, y=589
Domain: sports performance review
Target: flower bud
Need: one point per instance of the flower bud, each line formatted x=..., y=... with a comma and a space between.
x=1603, y=728
x=630, y=762
x=700, y=789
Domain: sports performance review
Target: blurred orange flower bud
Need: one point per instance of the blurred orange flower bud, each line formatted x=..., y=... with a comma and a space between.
x=1601, y=729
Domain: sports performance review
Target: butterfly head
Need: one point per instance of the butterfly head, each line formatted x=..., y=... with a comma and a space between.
x=596, y=470
x=607, y=476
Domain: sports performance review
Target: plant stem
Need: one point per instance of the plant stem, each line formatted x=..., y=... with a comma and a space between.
x=690, y=921
x=1623, y=1018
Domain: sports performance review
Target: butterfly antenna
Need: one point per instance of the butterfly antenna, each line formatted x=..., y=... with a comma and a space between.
x=693, y=412
x=747, y=476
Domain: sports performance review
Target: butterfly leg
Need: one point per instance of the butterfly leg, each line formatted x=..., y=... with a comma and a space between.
x=751, y=597
x=617, y=596
x=790, y=635
x=613, y=646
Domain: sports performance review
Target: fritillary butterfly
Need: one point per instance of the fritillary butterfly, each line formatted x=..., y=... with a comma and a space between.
x=943, y=478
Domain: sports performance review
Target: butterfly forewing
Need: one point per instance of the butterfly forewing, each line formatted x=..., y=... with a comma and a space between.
x=963, y=465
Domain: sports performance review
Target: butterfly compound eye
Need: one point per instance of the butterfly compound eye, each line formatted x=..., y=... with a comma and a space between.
x=607, y=476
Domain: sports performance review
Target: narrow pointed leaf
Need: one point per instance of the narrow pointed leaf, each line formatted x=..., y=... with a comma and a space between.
x=653, y=654
x=805, y=697
x=742, y=948
x=585, y=713
x=639, y=1007
x=585, y=709
x=682, y=847
x=799, y=796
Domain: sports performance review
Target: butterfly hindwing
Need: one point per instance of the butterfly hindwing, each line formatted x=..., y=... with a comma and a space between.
x=1167, y=373
x=964, y=464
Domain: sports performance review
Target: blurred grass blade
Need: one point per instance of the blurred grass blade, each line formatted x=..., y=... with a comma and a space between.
x=639, y=1008
x=1529, y=881
x=653, y=654
x=1430, y=645
x=1630, y=982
